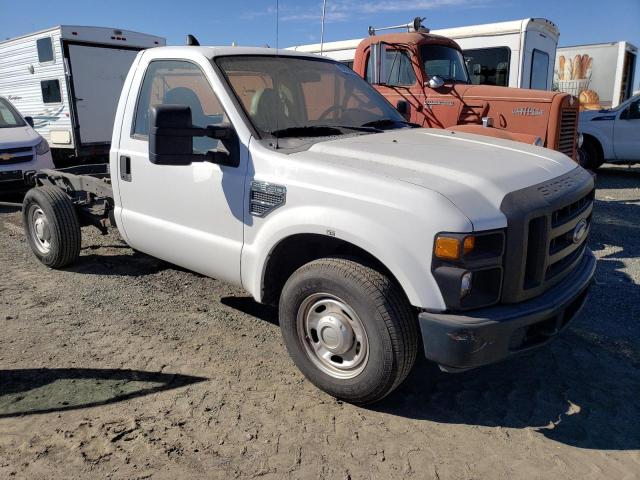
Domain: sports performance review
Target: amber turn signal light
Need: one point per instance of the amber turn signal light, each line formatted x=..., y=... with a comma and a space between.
x=451, y=248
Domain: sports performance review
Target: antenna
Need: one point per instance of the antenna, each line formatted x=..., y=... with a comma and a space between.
x=274, y=82
x=324, y=11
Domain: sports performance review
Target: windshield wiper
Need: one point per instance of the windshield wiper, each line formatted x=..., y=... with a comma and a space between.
x=388, y=122
x=306, y=131
x=321, y=130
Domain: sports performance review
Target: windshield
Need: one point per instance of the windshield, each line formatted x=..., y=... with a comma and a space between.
x=9, y=117
x=446, y=62
x=298, y=97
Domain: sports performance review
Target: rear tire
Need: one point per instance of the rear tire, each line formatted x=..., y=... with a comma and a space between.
x=51, y=226
x=348, y=328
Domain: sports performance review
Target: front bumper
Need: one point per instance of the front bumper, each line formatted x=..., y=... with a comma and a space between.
x=462, y=341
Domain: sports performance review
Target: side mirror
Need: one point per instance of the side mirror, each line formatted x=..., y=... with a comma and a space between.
x=403, y=107
x=29, y=120
x=435, y=82
x=171, y=133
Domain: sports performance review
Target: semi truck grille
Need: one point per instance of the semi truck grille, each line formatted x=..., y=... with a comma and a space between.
x=552, y=221
x=567, y=133
x=16, y=155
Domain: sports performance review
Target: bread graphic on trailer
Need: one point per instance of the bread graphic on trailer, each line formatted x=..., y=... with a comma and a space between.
x=561, y=62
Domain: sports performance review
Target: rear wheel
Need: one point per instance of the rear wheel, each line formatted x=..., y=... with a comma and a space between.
x=51, y=226
x=348, y=328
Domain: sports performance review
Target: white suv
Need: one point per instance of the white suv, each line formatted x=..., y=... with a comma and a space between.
x=22, y=149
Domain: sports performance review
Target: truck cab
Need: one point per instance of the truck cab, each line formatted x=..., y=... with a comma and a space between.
x=288, y=175
x=611, y=135
x=426, y=77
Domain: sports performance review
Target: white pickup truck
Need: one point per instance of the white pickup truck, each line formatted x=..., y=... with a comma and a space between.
x=289, y=175
x=611, y=135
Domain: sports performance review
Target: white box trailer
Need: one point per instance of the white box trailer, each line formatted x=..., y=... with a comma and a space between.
x=68, y=79
x=518, y=53
x=601, y=74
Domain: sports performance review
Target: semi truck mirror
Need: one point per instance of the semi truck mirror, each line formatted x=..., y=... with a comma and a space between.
x=435, y=82
x=29, y=120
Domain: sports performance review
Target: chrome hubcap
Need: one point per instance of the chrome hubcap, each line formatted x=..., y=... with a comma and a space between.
x=40, y=230
x=333, y=336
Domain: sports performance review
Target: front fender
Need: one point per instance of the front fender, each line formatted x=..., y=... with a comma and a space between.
x=403, y=247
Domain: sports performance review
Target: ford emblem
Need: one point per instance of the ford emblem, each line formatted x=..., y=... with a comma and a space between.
x=579, y=231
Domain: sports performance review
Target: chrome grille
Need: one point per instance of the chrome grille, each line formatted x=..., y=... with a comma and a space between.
x=567, y=133
x=15, y=155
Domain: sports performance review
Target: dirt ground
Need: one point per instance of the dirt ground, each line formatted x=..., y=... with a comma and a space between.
x=127, y=367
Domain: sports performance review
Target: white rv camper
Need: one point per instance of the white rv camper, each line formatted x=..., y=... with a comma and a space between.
x=519, y=53
x=68, y=79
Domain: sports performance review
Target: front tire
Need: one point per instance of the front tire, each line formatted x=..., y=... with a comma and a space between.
x=589, y=155
x=51, y=226
x=348, y=328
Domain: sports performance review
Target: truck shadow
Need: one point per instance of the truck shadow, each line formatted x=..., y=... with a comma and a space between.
x=134, y=264
x=574, y=392
x=44, y=390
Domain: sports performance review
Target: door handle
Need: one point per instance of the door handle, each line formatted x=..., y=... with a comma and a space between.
x=125, y=168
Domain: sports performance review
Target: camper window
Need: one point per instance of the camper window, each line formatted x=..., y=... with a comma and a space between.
x=50, y=91
x=539, y=70
x=488, y=66
x=45, y=49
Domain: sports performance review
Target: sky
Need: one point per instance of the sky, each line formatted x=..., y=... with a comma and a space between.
x=253, y=22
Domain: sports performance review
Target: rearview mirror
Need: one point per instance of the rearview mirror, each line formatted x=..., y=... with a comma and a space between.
x=171, y=133
x=29, y=120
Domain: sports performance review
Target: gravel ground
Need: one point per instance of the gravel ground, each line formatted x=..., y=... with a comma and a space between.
x=127, y=367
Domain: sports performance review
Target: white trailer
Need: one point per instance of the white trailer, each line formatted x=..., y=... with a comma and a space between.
x=518, y=53
x=601, y=74
x=68, y=79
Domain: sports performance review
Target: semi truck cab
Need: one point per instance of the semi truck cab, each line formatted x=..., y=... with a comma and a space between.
x=426, y=77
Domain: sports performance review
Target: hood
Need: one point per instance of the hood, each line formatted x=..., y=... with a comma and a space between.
x=18, y=137
x=474, y=172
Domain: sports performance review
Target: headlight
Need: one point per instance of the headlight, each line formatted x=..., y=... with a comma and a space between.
x=42, y=147
x=468, y=268
x=579, y=140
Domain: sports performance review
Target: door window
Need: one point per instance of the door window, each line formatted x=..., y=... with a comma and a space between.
x=397, y=67
x=50, y=91
x=488, y=66
x=539, y=70
x=634, y=111
x=179, y=83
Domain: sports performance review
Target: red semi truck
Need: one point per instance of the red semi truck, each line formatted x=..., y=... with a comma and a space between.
x=426, y=78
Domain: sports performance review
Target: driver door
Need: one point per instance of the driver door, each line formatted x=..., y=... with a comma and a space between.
x=189, y=215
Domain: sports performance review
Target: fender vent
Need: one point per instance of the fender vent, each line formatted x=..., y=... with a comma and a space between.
x=266, y=197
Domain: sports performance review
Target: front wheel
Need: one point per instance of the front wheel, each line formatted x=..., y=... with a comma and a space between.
x=348, y=328
x=589, y=155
